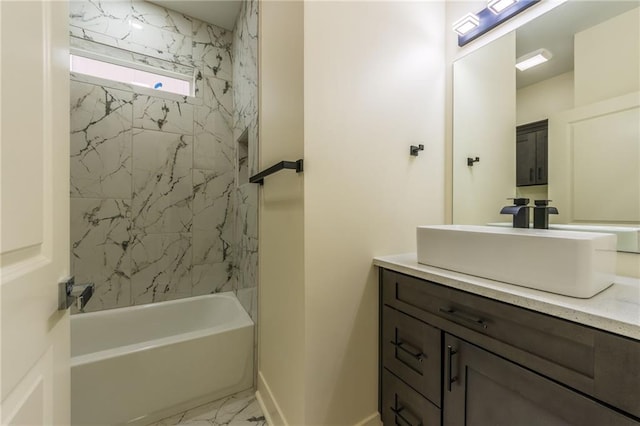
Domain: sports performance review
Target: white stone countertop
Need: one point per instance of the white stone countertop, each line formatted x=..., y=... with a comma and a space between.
x=615, y=309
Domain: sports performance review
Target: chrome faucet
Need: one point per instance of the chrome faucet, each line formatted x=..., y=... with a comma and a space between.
x=69, y=293
x=520, y=212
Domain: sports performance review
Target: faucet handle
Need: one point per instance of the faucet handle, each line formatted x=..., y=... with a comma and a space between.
x=519, y=201
x=542, y=203
x=70, y=293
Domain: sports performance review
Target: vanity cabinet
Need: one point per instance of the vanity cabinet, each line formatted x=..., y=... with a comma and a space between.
x=531, y=153
x=451, y=357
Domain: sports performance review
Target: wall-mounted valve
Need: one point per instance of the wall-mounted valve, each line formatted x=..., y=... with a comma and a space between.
x=70, y=293
x=414, y=150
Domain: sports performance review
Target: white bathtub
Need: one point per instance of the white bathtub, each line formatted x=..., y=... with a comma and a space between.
x=139, y=364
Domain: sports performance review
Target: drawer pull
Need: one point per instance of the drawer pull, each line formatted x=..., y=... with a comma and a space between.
x=469, y=319
x=399, y=415
x=408, y=349
x=450, y=378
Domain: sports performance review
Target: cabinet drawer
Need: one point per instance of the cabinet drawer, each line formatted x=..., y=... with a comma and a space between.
x=552, y=346
x=401, y=405
x=411, y=350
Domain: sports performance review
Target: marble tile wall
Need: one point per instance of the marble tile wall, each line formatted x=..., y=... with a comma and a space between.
x=245, y=118
x=153, y=213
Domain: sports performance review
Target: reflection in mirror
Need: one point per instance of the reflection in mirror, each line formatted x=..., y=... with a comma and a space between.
x=589, y=91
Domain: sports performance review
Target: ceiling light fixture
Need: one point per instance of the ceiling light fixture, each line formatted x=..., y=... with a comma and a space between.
x=497, y=6
x=475, y=25
x=532, y=59
x=467, y=23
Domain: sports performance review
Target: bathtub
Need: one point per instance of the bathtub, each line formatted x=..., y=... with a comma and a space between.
x=139, y=364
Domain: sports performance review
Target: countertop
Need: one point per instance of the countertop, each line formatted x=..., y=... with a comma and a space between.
x=615, y=309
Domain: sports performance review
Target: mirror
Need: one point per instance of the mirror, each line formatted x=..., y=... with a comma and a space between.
x=590, y=93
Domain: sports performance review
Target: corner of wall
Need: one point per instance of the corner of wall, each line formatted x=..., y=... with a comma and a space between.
x=268, y=404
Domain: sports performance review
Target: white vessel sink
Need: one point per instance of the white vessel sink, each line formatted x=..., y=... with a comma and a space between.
x=577, y=264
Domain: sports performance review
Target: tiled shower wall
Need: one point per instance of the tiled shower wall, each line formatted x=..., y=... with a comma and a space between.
x=245, y=121
x=153, y=175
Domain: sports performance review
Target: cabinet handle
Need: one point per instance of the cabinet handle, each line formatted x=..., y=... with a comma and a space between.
x=539, y=173
x=398, y=414
x=469, y=319
x=531, y=174
x=450, y=353
x=407, y=348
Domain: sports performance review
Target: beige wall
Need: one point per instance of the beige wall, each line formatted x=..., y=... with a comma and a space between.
x=628, y=264
x=541, y=100
x=281, y=222
x=487, y=78
x=613, y=49
x=610, y=49
x=373, y=85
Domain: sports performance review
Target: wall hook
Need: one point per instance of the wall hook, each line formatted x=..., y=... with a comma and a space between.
x=470, y=161
x=413, y=150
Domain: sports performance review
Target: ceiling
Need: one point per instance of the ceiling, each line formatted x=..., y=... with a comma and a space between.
x=222, y=13
x=554, y=31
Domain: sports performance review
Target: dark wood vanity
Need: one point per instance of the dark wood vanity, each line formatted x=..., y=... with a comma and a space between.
x=449, y=357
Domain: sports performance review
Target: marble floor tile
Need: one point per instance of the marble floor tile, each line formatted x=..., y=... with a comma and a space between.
x=237, y=410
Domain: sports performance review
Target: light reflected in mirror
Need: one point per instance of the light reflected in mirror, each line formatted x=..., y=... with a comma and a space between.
x=589, y=91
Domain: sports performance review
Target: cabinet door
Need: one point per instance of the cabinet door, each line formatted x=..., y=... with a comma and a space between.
x=541, y=157
x=483, y=389
x=531, y=153
x=526, y=159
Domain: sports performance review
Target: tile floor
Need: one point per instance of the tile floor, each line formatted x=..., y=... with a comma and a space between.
x=241, y=409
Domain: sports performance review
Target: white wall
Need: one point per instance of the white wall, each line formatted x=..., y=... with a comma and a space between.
x=373, y=85
x=281, y=230
x=612, y=49
x=484, y=105
x=541, y=100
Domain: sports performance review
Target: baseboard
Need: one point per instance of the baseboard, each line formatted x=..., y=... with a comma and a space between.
x=267, y=417
x=372, y=420
x=272, y=412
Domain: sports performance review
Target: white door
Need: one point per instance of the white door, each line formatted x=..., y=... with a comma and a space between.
x=34, y=212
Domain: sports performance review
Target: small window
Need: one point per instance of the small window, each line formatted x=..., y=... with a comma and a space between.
x=127, y=74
